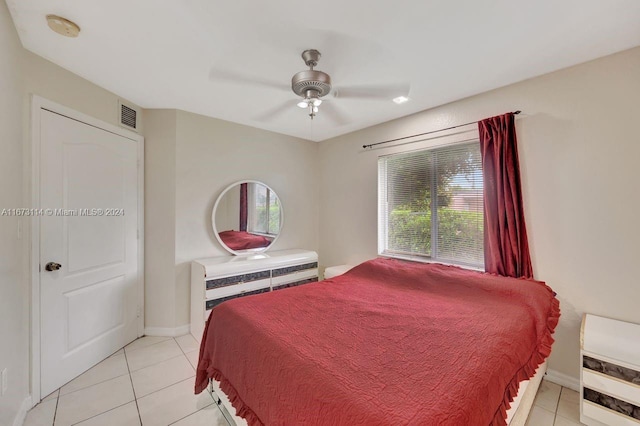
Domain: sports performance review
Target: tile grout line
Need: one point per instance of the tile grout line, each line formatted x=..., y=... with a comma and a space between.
x=172, y=384
x=55, y=412
x=188, y=415
x=555, y=413
x=99, y=414
x=185, y=353
x=135, y=398
x=195, y=369
x=168, y=386
x=155, y=363
x=93, y=384
x=124, y=350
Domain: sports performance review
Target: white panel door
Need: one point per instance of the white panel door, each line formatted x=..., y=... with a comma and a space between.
x=89, y=197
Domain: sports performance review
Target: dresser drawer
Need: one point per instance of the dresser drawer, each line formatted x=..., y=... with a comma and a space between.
x=611, y=386
x=294, y=277
x=289, y=270
x=606, y=416
x=214, y=283
x=210, y=304
x=217, y=293
x=296, y=283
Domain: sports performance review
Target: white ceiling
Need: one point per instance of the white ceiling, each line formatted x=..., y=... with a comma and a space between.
x=176, y=53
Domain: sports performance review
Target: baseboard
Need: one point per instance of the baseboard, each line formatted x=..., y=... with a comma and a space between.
x=167, y=332
x=26, y=405
x=563, y=380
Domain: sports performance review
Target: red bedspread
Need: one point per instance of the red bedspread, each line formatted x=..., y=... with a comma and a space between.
x=389, y=342
x=241, y=240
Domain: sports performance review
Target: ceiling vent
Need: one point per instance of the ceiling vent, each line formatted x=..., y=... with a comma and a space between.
x=129, y=116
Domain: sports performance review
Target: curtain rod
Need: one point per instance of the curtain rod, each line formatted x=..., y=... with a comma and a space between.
x=426, y=133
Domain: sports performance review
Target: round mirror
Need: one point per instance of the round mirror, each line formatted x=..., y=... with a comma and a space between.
x=247, y=217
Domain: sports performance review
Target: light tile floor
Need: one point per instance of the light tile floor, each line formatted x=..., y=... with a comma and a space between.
x=150, y=382
x=555, y=405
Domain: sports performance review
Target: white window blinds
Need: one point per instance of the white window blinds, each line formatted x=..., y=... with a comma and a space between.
x=430, y=205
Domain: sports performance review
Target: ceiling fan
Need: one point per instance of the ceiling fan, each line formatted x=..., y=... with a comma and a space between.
x=313, y=87
x=311, y=84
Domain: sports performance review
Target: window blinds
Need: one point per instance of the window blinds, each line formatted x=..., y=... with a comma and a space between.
x=430, y=204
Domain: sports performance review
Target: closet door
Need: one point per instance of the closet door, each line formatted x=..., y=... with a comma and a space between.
x=88, y=246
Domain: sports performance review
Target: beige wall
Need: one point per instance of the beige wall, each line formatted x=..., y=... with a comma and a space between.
x=56, y=84
x=579, y=150
x=211, y=154
x=14, y=293
x=160, y=217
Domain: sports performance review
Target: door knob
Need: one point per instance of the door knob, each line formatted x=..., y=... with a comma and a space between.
x=52, y=266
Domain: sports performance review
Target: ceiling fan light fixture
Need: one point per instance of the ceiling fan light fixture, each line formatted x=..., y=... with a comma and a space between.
x=311, y=99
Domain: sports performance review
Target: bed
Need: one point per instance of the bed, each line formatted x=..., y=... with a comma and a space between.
x=242, y=240
x=389, y=342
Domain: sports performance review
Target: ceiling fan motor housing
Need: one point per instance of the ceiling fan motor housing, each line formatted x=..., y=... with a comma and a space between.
x=317, y=81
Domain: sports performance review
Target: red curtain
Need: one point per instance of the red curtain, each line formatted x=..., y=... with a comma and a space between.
x=506, y=248
x=243, y=207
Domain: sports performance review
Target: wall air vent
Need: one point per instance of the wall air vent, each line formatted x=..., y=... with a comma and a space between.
x=129, y=116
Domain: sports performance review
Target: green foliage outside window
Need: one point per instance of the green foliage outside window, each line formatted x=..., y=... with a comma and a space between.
x=410, y=232
x=274, y=218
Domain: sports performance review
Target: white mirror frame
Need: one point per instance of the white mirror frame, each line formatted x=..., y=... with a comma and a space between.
x=216, y=231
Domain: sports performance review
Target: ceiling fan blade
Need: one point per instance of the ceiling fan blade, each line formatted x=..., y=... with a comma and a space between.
x=383, y=92
x=334, y=113
x=216, y=75
x=275, y=112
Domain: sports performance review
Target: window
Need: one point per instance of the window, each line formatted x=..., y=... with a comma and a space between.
x=264, y=210
x=430, y=205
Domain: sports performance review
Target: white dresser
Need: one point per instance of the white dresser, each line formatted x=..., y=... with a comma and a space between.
x=610, y=372
x=217, y=279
